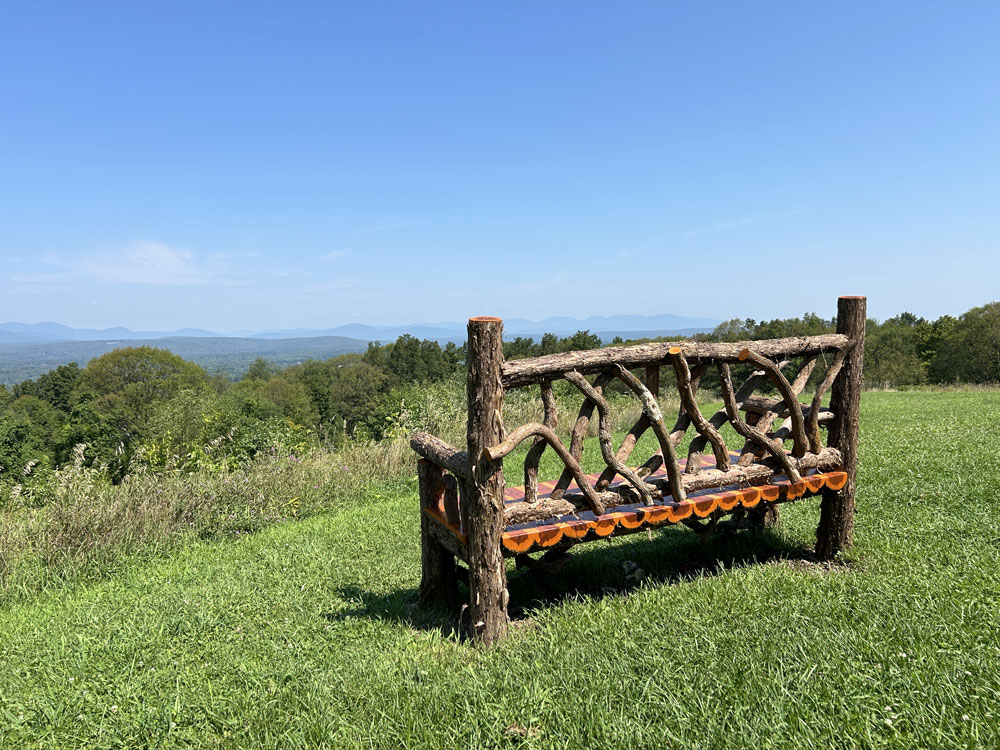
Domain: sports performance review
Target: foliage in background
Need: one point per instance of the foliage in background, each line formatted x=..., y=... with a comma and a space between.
x=147, y=407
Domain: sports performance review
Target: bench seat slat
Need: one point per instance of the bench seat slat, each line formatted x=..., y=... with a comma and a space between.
x=541, y=535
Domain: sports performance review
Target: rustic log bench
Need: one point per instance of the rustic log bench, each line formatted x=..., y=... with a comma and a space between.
x=468, y=513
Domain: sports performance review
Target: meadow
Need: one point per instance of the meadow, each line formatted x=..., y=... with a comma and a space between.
x=276, y=606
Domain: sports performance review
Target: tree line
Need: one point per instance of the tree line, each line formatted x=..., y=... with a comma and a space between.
x=149, y=405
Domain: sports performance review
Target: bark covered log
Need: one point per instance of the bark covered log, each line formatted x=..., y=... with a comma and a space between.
x=752, y=433
x=652, y=408
x=440, y=453
x=787, y=393
x=836, y=523
x=485, y=494
x=632, y=436
x=579, y=433
x=538, y=447
x=521, y=372
x=812, y=419
x=760, y=405
x=779, y=407
x=438, y=584
x=501, y=450
x=690, y=403
x=574, y=503
x=604, y=435
x=722, y=415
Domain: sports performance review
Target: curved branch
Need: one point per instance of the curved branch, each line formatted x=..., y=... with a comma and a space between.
x=632, y=437
x=812, y=423
x=437, y=451
x=789, y=395
x=749, y=432
x=538, y=447
x=579, y=433
x=656, y=422
x=526, y=431
x=700, y=423
x=779, y=408
x=604, y=436
x=683, y=415
x=720, y=417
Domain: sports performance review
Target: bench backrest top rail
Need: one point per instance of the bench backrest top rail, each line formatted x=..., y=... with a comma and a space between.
x=518, y=373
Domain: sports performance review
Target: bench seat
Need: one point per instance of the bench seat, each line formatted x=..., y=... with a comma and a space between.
x=539, y=536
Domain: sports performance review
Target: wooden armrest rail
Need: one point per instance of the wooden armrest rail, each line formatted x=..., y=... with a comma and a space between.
x=439, y=452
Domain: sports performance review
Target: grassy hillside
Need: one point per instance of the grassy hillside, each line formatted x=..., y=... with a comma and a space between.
x=306, y=634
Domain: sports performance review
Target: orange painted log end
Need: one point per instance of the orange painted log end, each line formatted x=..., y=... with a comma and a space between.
x=836, y=480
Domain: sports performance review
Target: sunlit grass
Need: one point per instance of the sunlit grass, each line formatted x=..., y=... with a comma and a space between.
x=306, y=634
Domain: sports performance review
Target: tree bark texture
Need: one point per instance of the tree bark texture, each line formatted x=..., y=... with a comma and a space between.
x=521, y=372
x=836, y=522
x=485, y=488
x=438, y=584
x=574, y=503
x=604, y=436
x=752, y=433
x=579, y=433
x=704, y=428
x=439, y=452
x=537, y=448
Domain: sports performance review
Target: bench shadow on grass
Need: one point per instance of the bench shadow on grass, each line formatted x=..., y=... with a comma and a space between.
x=673, y=555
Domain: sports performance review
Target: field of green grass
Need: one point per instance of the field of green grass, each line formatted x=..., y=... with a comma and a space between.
x=306, y=633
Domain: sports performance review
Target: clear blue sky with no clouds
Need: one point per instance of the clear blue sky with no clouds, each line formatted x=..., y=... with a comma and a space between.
x=233, y=165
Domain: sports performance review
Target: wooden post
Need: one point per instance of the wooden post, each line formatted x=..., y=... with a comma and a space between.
x=438, y=578
x=836, y=523
x=485, y=495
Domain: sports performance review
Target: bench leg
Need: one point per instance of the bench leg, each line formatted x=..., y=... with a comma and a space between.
x=438, y=577
x=764, y=516
x=836, y=522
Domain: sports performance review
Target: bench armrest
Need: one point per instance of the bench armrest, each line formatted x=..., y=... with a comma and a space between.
x=439, y=452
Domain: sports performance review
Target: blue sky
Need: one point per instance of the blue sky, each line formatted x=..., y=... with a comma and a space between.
x=233, y=165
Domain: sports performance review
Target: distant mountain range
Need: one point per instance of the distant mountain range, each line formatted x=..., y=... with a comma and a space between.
x=605, y=326
x=16, y=333
x=29, y=349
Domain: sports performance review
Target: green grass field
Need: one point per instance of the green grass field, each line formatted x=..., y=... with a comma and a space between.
x=306, y=633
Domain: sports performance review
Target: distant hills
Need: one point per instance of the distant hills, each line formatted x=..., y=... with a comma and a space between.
x=225, y=354
x=30, y=349
x=36, y=332
x=610, y=326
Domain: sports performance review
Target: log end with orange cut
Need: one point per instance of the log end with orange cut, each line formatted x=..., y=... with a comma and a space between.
x=576, y=529
x=750, y=497
x=814, y=483
x=519, y=541
x=793, y=490
x=680, y=511
x=605, y=525
x=630, y=520
x=549, y=535
x=835, y=480
x=769, y=492
x=729, y=500
x=655, y=515
x=704, y=505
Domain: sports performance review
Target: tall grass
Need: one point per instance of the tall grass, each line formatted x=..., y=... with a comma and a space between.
x=78, y=524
